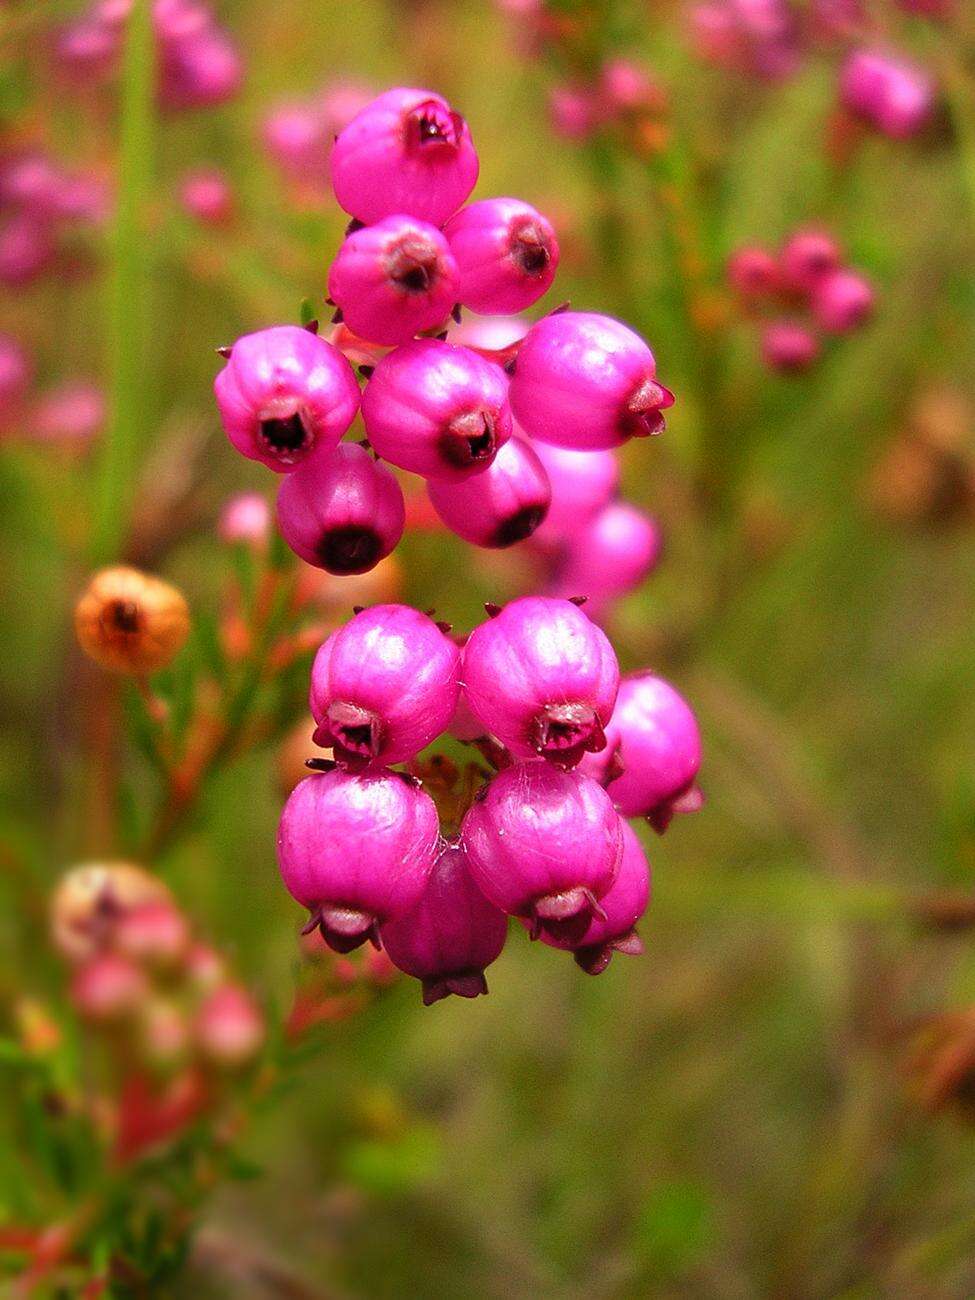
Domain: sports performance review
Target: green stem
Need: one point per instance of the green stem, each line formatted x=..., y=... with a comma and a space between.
x=126, y=314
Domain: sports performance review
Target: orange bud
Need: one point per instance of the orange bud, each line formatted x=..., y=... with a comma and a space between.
x=131, y=622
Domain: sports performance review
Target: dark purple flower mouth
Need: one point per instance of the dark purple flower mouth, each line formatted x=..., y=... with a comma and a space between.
x=595, y=957
x=641, y=417
x=412, y=263
x=519, y=526
x=352, y=549
x=287, y=437
x=355, y=735
x=344, y=928
x=469, y=439
x=562, y=733
x=433, y=128
x=530, y=249
x=464, y=983
x=566, y=915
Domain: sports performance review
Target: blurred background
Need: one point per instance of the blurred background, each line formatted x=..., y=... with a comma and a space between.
x=774, y=1099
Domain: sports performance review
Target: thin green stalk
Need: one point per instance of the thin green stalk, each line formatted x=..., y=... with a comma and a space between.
x=127, y=305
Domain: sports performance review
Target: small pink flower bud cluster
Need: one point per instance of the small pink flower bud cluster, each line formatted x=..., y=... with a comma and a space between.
x=537, y=687
x=298, y=134
x=70, y=414
x=40, y=202
x=167, y=1000
x=760, y=38
x=623, y=95
x=412, y=258
x=198, y=64
x=888, y=92
x=806, y=278
x=206, y=194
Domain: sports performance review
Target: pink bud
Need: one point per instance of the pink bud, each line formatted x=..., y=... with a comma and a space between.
x=582, y=483
x=384, y=686
x=394, y=279
x=207, y=196
x=283, y=393
x=199, y=70
x=890, y=93
x=574, y=111
x=356, y=850
x=654, y=735
x=586, y=381
x=407, y=151
x=622, y=906
x=340, y=511
x=107, y=987
x=808, y=256
x=506, y=253
x=501, y=506
x=229, y=1027
x=71, y=414
x=27, y=250
x=542, y=678
x=245, y=519
x=154, y=933
x=437, y=410
x=451, y=935
x=296, y=136
x=754, y=272
x=544, y=845
x=842, y=301
x=16, y=372
x=789, y=347
x=610, y=555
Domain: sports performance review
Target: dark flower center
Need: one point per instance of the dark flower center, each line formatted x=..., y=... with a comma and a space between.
x=354, y=734
x=641, y=416
x=469, y=439
x=286, y=435
x=432, y=128
x=124, y=616
x=519, y=526
x=413, y=264
x=566, y=915
x=530, y=249
x=564, y=732
x=345, y=928
x=352, y=549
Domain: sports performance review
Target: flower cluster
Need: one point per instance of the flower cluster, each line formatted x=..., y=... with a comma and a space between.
x=298, y=134
x=173, y=1017
x=757, y=37
x=41, y=203
x=537, y=688
x=806, y=275
x=468, y=420
x=768, y=38
x=888, y=92
x=199, y=65
x=70, y=414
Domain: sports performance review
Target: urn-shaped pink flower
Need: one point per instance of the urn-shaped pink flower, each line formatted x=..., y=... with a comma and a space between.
x=384, y=686
x=451, y=935
x=544, y=845
x=356, y=851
